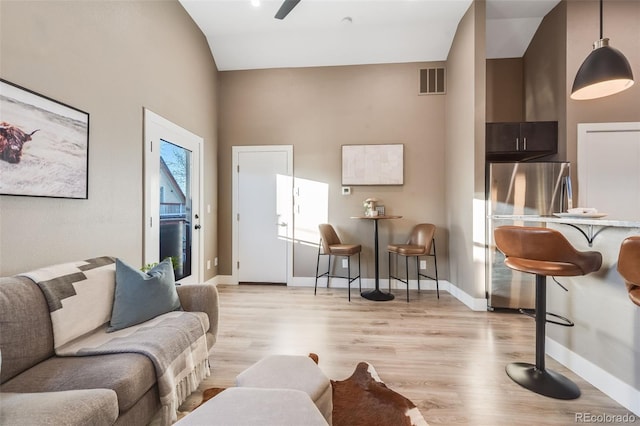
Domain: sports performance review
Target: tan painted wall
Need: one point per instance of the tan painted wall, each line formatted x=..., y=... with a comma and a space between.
x=505, y=90
x=319, y=109
x=478, y=218
x=465, y=156
x=110, y=59
x=545, y=73
x=545, y=67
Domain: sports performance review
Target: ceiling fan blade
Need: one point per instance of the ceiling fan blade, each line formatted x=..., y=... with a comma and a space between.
x=286, y=7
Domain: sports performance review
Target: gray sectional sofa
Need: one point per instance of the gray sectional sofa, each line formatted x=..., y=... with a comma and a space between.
x=39, y=387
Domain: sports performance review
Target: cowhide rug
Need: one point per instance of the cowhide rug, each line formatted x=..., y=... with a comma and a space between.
x=363, y=400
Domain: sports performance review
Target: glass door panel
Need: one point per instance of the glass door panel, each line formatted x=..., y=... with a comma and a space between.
x=176, y=207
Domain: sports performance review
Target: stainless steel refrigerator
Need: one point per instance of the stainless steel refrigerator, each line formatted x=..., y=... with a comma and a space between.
x=527, y=188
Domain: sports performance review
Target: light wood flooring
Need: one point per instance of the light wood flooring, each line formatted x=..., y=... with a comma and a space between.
x=445, y=358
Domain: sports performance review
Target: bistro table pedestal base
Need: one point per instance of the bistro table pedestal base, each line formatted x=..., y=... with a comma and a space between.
x=377, y=295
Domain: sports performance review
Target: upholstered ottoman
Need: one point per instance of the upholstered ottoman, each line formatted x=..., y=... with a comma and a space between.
x=291, y=372
x=256, y=407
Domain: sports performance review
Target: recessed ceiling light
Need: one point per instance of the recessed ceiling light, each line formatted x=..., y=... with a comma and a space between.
x=255, y=3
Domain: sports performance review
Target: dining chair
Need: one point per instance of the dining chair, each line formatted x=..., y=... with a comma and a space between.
x=330, y=245
x=629, y=266
x=421, y=242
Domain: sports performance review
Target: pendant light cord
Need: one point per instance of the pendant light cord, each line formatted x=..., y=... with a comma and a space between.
x=601, y=19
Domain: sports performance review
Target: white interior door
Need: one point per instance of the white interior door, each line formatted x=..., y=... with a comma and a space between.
x=263, y=213
x=173, y=193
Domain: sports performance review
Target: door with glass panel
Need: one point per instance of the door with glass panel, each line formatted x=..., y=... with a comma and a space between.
x=172, y=197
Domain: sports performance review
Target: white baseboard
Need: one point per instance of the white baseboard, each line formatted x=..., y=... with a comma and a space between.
x=475, y=304
x=221, y=279
x=621, y=392
x=472, y=303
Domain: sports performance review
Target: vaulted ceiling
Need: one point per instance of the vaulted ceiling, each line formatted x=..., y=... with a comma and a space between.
x=243, y=34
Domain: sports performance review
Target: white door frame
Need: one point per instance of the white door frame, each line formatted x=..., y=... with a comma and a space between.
x=156, y=127
x=235, y=257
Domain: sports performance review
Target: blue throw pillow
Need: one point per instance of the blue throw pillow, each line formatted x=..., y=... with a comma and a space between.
x=141, y=296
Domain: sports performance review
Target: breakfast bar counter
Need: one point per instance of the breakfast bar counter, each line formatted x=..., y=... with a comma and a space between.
x=577, y=220
x=589, y=227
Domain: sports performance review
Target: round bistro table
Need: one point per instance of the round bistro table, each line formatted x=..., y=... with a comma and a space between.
x=376, y=294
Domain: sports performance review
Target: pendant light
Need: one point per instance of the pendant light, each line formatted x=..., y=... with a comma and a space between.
x=605, y=72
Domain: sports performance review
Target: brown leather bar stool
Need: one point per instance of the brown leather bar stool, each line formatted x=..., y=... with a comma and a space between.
x=421, y=242
x=543, y=252
x=332, y=246
x=629, y=266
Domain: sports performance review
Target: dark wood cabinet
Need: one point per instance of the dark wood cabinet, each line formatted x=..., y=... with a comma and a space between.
x=521, y=141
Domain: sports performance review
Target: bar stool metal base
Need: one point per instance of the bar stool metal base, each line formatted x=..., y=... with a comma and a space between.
x=544, y=382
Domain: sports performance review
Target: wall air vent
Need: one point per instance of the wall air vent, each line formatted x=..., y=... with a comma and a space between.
x=432, y=81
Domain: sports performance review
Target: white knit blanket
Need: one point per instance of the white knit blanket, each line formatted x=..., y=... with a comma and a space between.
x=176, y=344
